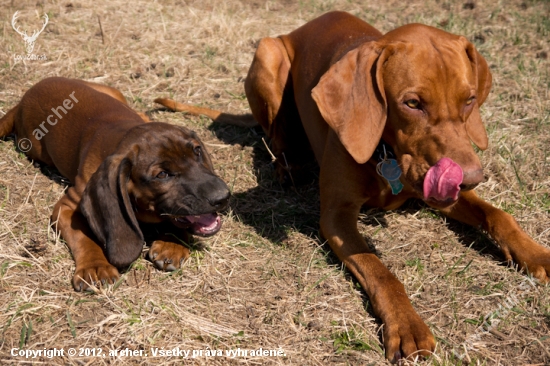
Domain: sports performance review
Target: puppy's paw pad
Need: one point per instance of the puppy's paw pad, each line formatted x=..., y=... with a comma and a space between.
x=168, y=256
x=94, y=275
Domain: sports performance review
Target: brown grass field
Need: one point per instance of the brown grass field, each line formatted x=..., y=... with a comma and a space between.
x=267, y=280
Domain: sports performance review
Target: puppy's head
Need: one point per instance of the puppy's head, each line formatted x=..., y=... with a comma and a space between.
x=419, y=89
x=160, y=172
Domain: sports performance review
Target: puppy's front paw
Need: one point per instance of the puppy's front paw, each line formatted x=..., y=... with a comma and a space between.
x=168, y=256
x=94, y=274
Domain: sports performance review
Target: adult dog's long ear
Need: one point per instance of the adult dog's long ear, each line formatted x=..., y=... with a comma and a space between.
x=474, y=125
x=351, y=99
x=106, y=205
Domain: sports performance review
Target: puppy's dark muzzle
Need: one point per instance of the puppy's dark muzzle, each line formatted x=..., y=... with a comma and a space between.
x=219, y=198
x=214, y=193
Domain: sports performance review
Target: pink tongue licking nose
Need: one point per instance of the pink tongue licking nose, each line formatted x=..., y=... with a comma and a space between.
x=443, y=180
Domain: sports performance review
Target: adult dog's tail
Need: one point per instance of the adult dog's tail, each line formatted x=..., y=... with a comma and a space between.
x=7, y=122
x=244, y=120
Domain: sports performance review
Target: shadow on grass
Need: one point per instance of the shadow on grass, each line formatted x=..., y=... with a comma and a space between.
x=272, y=209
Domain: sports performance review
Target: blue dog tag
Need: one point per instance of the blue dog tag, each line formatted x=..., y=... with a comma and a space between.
x=396, y=186
x=390, y=171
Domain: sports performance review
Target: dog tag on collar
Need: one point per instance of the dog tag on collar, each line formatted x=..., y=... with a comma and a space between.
x=396, y=186
x=390, y=171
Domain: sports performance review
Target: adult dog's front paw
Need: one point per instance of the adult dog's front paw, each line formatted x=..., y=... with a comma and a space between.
x=168, y=256
x=94, y=274
x=406, y=335
x=535, y=259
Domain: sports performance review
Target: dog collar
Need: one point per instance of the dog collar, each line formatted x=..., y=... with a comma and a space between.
x=387, y=167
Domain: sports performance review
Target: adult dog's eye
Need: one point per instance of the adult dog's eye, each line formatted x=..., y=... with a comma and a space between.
x=197, y=150
x=413, y=103
x=163, y=175
x=470, y=100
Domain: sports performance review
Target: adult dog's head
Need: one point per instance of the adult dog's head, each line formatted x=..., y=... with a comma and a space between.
x=159, y=172
x=419, y=89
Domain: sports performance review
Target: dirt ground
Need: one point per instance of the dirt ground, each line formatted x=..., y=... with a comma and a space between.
x=266, y=280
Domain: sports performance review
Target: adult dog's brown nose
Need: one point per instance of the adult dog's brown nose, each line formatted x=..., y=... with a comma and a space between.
x=472, y=177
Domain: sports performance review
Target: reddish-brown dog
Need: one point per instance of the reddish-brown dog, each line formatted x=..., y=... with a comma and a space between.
x=414, y=93
x=130, y=179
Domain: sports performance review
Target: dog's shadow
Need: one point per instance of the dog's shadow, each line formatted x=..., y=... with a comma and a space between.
x=270, y=208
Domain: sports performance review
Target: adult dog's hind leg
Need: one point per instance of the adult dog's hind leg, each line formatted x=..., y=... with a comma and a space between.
x=269, y=91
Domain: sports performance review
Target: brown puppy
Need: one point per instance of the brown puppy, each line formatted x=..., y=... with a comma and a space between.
x=129, y=178
x=372, y=107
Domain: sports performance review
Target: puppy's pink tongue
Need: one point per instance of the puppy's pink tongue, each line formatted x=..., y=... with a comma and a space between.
x=443, y=180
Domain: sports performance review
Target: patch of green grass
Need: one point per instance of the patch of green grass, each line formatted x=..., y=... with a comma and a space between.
x=543, y=26
x=427, y=212
x=488, y=289
x=546, y=315
x=545, y=202
x=139, y=265
x=349, y=340
x=416, y=263
x=26, y=331
x=210, y=52
x=71, y=324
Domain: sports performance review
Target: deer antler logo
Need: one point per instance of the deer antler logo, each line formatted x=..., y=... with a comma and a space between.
x=29, y=40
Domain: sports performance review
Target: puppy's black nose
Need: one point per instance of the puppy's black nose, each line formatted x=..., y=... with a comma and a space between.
x=219, y=198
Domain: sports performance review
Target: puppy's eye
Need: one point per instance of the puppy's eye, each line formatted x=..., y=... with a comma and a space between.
x=162, y=175
x=413, y=103
x=197, y=150
x=470, y=100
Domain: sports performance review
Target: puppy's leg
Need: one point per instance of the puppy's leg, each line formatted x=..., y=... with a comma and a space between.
x=344, y=188
x=91, y=265
x=168, y=255
x=514, y=243
x=269, y=92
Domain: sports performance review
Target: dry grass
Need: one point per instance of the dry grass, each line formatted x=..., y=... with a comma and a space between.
x=266, y=280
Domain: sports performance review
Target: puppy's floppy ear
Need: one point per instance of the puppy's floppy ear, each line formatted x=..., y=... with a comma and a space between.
x=474, y=125
x=351, y=99
x=106, y=205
